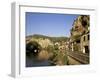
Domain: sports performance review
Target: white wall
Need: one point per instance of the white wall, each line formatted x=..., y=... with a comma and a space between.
x=5, y=39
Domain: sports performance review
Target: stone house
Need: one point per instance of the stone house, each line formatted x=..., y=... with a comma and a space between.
x=79, y=39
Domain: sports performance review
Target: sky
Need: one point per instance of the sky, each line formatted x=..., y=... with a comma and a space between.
x=49, y=24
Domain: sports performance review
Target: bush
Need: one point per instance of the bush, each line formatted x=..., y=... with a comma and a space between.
x=33, y=48
x=50, y=48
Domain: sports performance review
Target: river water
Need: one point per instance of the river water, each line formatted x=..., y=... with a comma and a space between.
x=31, y=62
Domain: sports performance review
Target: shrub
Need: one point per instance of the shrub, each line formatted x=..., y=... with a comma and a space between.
x=32, y=48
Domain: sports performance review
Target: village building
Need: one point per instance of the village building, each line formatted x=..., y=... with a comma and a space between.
x=80, y=35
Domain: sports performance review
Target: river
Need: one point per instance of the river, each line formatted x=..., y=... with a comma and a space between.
x=34, y=62
x=31, y=62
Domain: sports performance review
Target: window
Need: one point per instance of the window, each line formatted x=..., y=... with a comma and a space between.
x=78, y=41
x=84, y=38
x=88, y=37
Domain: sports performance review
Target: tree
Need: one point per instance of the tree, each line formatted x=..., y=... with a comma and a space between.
x=33, y=48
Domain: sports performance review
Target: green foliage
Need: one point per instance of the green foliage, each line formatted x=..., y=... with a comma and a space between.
x=50, y=48
x=56, y=47
x=31, y=46
x=53, y=39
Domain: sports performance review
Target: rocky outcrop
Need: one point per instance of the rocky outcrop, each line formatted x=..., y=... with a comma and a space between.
x=79, y=40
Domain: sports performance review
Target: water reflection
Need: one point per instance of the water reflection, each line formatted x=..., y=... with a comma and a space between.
x=33, y=61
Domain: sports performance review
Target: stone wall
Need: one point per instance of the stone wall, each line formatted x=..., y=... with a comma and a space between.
x=79, y=39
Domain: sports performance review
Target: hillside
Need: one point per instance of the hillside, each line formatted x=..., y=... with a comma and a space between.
x=54, y=39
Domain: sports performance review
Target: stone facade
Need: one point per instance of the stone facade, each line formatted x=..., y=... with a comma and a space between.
x=80, y=37
x=85, y=43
